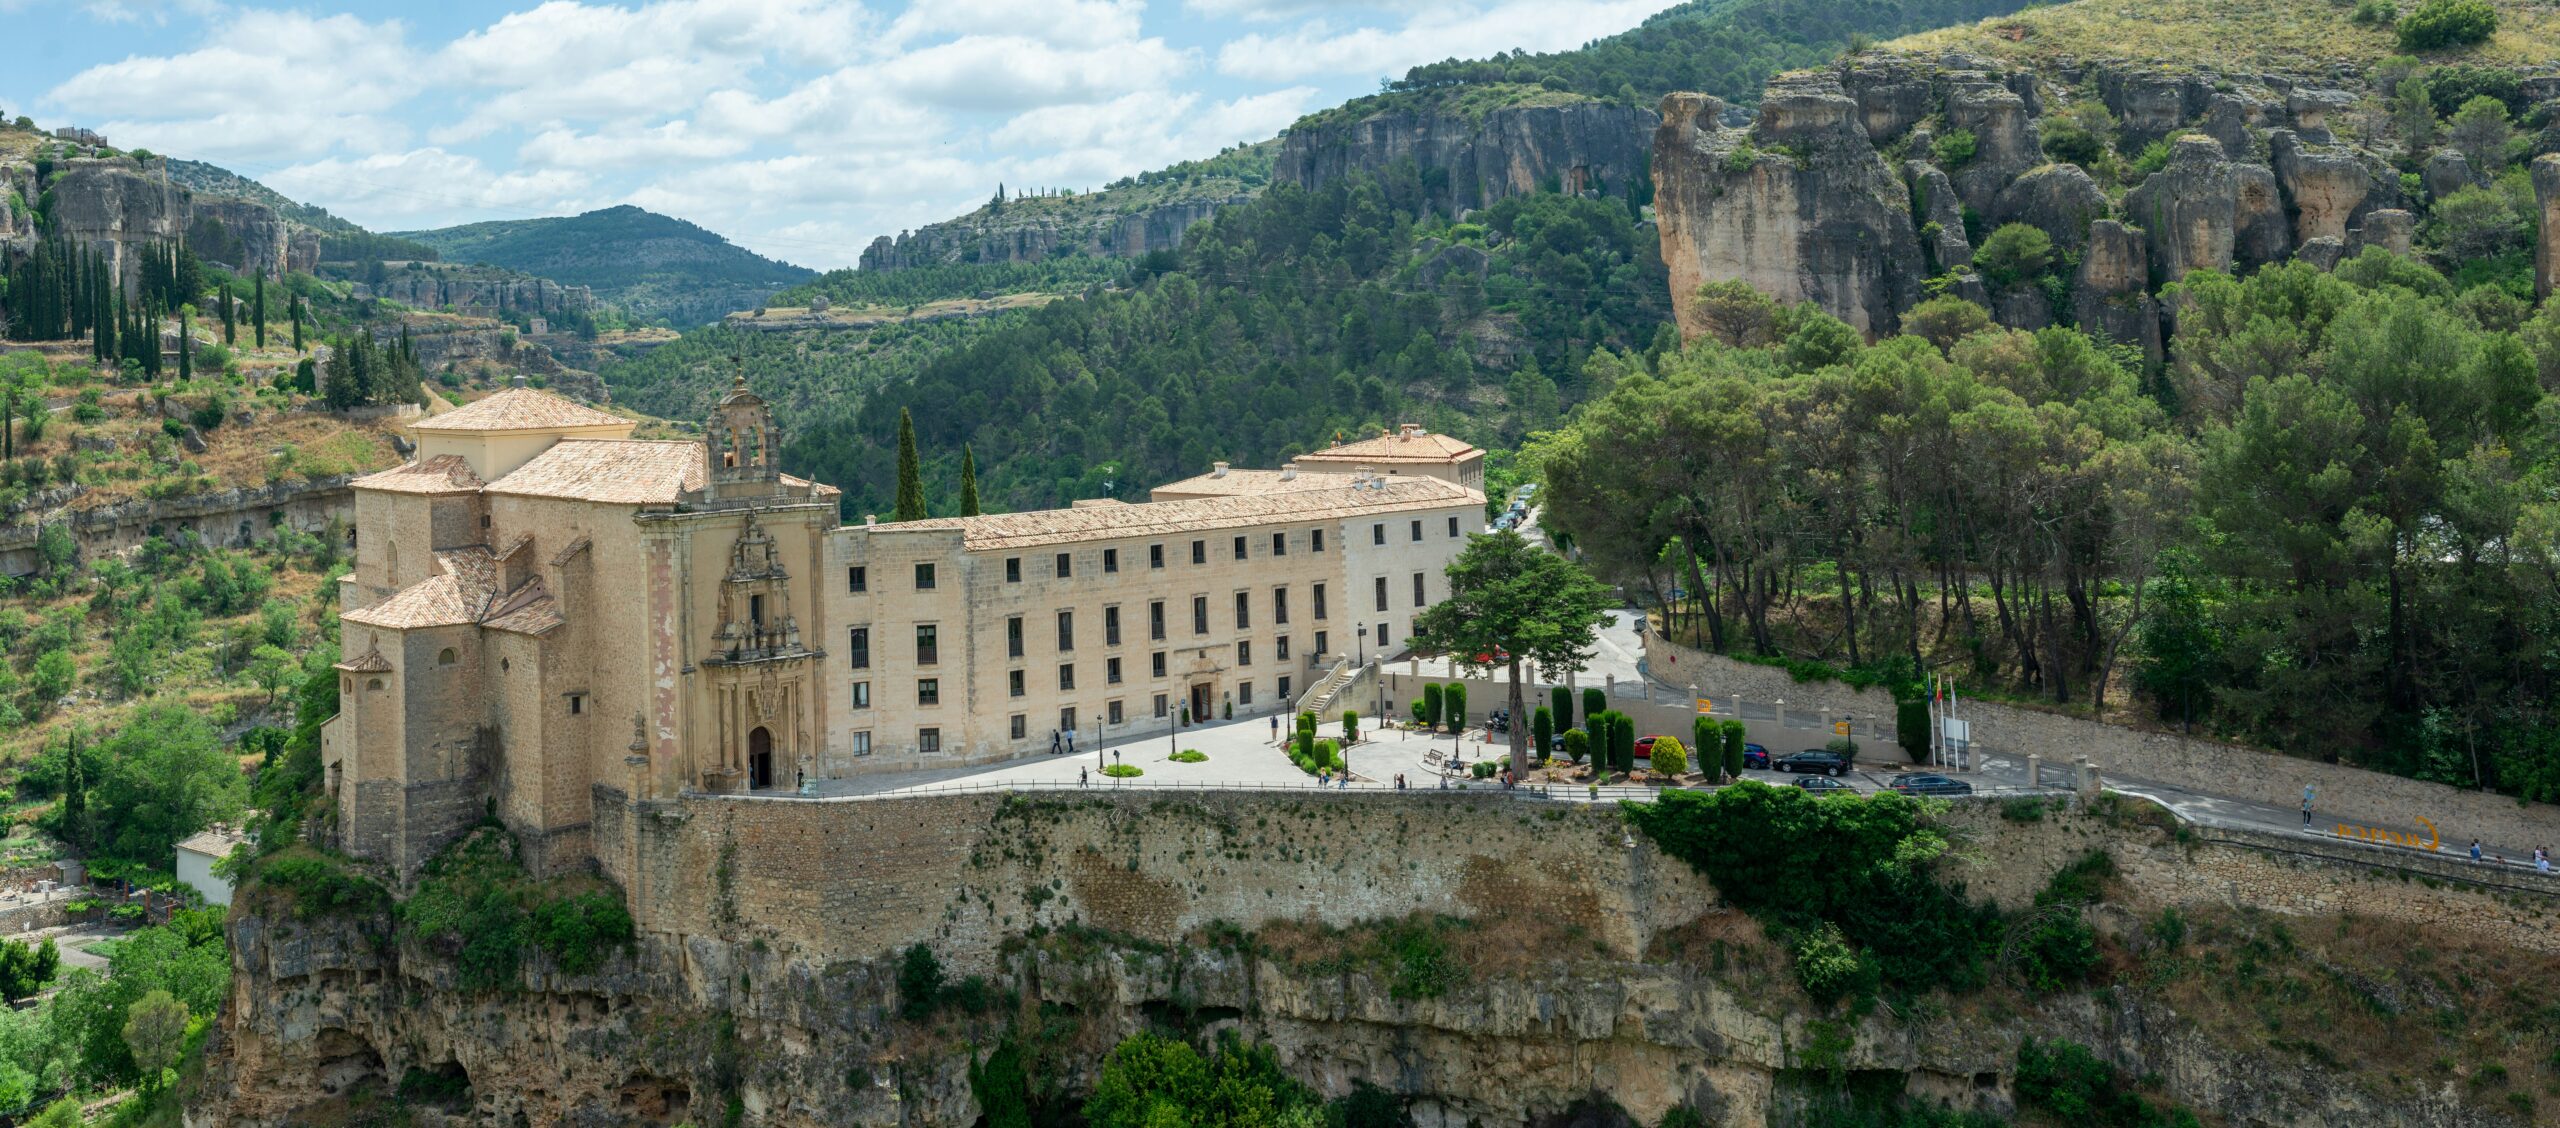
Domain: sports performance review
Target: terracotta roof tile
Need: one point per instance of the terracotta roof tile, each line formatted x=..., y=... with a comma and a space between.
x=1425, y=446
x=1157, y=518
x=613, y=471
x=442, y=474
x=372, y=662
x=459, y=592
x=519, y=409
x=1240, y=482
x=528, y=610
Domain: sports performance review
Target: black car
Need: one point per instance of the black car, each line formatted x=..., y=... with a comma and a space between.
x=1815, y=760
x=1825, y=785
x=1927, y=783
x=1755, y=756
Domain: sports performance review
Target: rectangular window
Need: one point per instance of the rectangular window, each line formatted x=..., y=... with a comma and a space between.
x=577, y=704
x=755, y=609
x=1111, y=670
x=1013, y=636
x=862, y=695
x=862, y=744
x=1155, y=556
x=1453, y=524
x=1066, y=564
x=857, y=649
x=1013, y=569
x=857, y=579
x=1382, y=638
x=1417, y=530
x=924, y=577
x=1157, y=662
x=1244, y=693
x=1110, y=560
x=1244, y=652
x=929, y=691
x=1112, y=713
x=1279, y=544
x=1013, y=682
x=1239, y=548
x=1378, y=533
x=1244, y=610
x=1319, y=598
x=1111, y=626
x=1199, y=614
x=928, y=644
x=1382, y=593
x=1323, y=645
x=1315, y=540
x=1066, y=630
x=1284, y=687
x=928, y=740
x=1155, y=620
x=1419, y=600
x=1199, y=552
x=1161, y=706
x=1067, y=676
x=1282, y=653
x=1067, y=718
x=1020, y=725
x=1280, y=606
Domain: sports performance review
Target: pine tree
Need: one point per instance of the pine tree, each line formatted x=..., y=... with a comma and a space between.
x=258, y=312
x=968, y=482
x=910, y=477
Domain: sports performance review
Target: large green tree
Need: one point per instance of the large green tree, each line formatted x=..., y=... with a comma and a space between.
x=163, y=776
x=1514, y=603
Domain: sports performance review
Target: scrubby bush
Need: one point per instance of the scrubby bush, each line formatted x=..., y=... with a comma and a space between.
x=2016, y=253
x=1577, y=744
x=1943, y=321
x=2082, y=133
x=2441, y=24
x=1954, y=149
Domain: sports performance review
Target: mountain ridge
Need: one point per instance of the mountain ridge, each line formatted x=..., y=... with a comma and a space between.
x=656, y=267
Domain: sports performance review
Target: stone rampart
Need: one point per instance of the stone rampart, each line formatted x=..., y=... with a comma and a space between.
x=851, y=879
x=2342, y=793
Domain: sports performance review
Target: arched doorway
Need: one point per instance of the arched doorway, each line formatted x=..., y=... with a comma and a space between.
x=760, y=758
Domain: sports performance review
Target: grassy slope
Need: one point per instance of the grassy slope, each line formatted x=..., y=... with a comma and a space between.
x=2217, y=34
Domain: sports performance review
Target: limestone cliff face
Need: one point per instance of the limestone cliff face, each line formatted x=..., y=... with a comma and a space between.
x=435, y=286
x=1799, y=205
x=2257, y=174
x=1028, y=231
x=250, y=238
x=118, y=205
x=1510, y=151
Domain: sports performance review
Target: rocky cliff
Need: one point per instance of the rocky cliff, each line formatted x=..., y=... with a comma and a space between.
x=479, y=290
x=119, y=204
x=1033, y=229
x=1860, y=181
x=1073, y=916
x=1473, y=159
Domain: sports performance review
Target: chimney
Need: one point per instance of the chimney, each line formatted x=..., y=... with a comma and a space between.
x=518, y=382
x=1409, y=431
x=1217, y=469
x=1288, y=471
x=870, y=519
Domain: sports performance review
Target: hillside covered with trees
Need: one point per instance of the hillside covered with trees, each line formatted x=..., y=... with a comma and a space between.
x=657, y=268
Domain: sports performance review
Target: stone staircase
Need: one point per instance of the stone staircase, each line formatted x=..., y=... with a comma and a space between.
x=1318, y=698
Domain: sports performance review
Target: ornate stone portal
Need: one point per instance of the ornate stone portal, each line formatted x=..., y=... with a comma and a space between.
x=762, y=677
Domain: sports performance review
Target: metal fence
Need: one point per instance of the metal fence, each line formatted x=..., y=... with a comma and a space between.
x=1540, y=792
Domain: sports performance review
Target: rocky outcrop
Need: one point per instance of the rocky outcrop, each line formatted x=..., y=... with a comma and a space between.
x=2260, y=233
x=116, y=206
x=2059, y=199
x=475, y=290
x=233, y=518
x=1799, y=205
x=1031, y=230
x=2391, y=229
x=1941, y=216
x=1509, y=151
x=2448, y=172
x=249, y=238
x=2189, y=209
x=2546, y=244
x=2327, y=187
x=2111, y=294
x=2004, y=140
x=2149, y=105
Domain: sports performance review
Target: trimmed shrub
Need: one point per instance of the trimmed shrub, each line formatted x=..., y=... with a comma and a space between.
x=1560, y=699
x=1706, y=735
x=1595, y=701
x=1434, y=700
x=1542, y=728
x=1350, y=726
x=1577, y=744
x=1911, y=728
x=1669, y=757
x=1421, y=711
x=1124, y=771
x=1735, y=737
x=1453, y=703
x=1189, y=756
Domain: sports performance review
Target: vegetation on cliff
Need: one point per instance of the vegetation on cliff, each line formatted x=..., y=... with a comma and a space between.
x=2201, y=34
x=655, y=267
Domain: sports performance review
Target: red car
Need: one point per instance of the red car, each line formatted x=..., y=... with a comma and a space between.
x=1644, y=746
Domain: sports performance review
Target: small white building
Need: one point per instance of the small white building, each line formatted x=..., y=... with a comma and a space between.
x=196, y=856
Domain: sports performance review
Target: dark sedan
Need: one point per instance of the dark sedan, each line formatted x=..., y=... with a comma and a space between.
x=1825, y=785
x=1816, y=761
x=1926, y=783
x=1755, y=756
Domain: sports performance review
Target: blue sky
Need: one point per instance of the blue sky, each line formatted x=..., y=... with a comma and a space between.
x=801, y=128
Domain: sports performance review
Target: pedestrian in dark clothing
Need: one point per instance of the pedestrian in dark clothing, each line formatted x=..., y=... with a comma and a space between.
x=1053, y=742
x=1081, y=779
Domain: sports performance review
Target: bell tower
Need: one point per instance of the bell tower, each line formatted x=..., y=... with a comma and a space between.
x=744, y=444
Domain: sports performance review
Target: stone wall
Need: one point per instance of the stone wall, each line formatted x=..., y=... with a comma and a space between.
x=2343, y=793
x=852, y=879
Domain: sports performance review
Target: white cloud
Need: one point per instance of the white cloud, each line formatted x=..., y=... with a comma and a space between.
x=1007, y=72
x=1322, y=48
x=286, y=61
x=849, y=105
x=1065, y=23
x=1136, y=132
x=260, y=136
x=674, y=141
x=427, y=187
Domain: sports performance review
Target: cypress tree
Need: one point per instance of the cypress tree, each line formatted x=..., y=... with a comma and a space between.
x=230, y=332
x=968, y=482
x=186, y=357
x=258, y=312
x=8, y=422
x=910, y=477
x=297, y=322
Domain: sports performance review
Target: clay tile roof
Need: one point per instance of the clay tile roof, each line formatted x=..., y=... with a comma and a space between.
x=613, y=471
x=457, y=594
x=570, y=552
x=520, y=409
x=445, y=473
x=1256, y=482
x=1424, y=447
x=372, y=662
x=528, y=610
x=1165, y=518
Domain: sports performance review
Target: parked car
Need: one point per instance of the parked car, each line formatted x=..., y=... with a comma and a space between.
x=1824, y=785
x=1755, y=756
x=1528, y=489
x=1644, y=746
x=1930, y=783
x=1818, y=761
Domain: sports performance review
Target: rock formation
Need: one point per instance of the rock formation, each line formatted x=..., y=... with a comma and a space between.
x=1509, y=151
x=119, y=205
x=249, y=238
x=2190, y=209
x=2059, y=199
x=2111, y=295
x=1031, y=230
x=1799, y=205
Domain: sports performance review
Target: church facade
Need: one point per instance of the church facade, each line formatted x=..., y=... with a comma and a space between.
x=547, y=614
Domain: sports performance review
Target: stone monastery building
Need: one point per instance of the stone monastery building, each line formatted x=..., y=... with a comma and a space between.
x=555, y=621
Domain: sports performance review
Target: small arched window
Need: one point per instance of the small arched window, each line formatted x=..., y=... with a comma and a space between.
x=502, y=665
x=346, y=685
x=445, y=657
x=373, y=683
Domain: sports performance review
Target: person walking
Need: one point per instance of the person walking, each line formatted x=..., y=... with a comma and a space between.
x=1053, y=742
x=2542, y=858
x=2475, y=851
x=1275, y=728
x=1071, y=742
x=2306, y=806
x=1083, y=776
